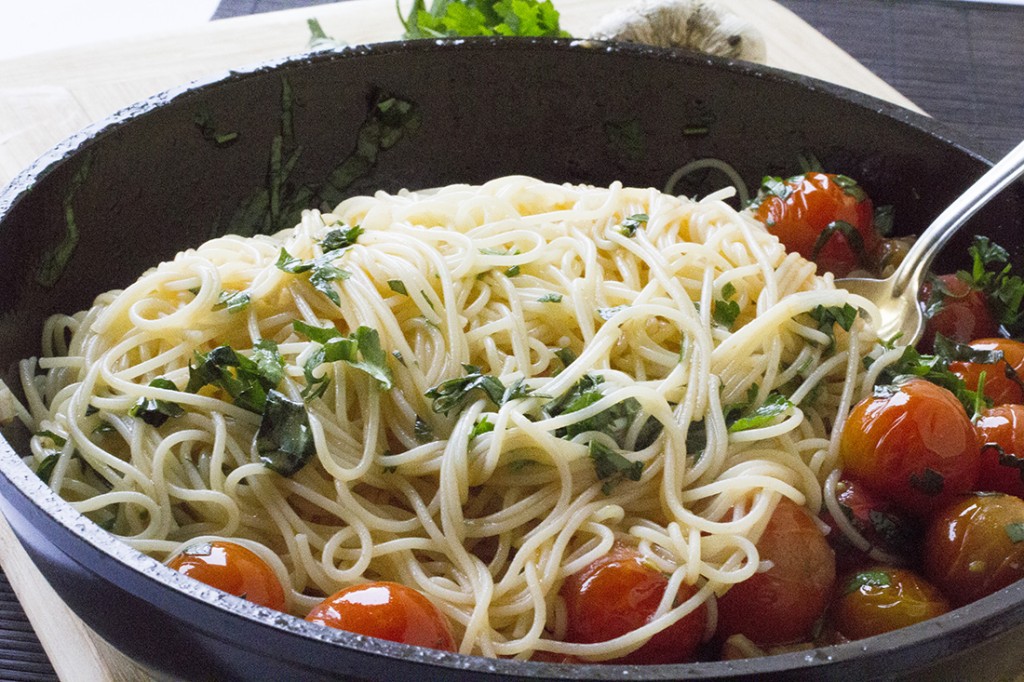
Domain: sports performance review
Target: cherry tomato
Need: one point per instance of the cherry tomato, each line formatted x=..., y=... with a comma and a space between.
x=912, y=443
x=1001, y=434
x=1002, y=380
x=956, y=310
x=880, y=599
x=386, y=610
x=780, y=605
x=824, y=217
x=619, y=593
x=975, y=546
x=232, y=568
x=876, y=519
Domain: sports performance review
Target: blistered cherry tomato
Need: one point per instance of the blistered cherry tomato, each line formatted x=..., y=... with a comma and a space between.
x=956, y=310
x=1003, y=384
x=878, y=521
x=880, y=599
x=1001, y=433
x=825, y=218
x=619, y=593
x=912, y=443
x=232, y=568
x=386, y=610
x=975, y=546
x=781, y=604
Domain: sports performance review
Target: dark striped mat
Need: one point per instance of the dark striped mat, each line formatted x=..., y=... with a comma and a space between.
x=22, y=658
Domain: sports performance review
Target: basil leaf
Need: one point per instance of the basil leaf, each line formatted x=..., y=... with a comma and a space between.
x=154, y=411
x=241, y=378
x=611, y=467
x=774, y=405
x=340, y=238
x=234, y=301
x=455, y=393
x=284, y=441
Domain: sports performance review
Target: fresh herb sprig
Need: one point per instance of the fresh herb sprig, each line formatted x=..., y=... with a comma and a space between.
x=455, y=18
x=361, y=349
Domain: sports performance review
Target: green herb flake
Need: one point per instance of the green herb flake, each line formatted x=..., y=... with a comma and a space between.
x=608, y=313
x=398, y=286
x=633, y=223
x=481, y=427
x=340, y=238
x=1015, y=531
x=57, y=439
x=233, y=301
x=611, y=467
x=550, y=298
x=867, y=579
x=154, y=411
x=284, y=441
x=361, y=349
x=929, y=482
x=453, y=394
x=774, y=405
x=45, y=469
x=246, y=381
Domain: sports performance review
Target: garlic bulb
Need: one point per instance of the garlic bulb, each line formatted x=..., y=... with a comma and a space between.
x=695, y=24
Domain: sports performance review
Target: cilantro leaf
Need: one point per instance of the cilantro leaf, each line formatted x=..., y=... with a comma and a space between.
x=284, y=441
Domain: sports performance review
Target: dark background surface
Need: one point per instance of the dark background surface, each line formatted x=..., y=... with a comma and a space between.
x=962, y=62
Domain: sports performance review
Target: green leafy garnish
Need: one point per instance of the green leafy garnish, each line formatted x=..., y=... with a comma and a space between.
x=1015, y=531
x=609, y=313
x=322, y=271
x=867, y=579
x=154, y=411
x=453, y=18
x=45, y=469
x=827, y=317
x=481, y=427
x=614, y=421
x=233, y=301
x=550, y=298
x=245, y=380
x=211, y=132
x=633, y=223
x=361, y=349
x=398, y=286
x=992, y=273
x=611, y=467
x=725, y=310
x=58, y=440
x=935, y=368
x=340, y=238
x=455, y=393
x=773, y=406
x=929, y=482
x=284, y=441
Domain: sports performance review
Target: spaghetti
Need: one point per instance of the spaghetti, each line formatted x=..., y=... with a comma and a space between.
x=473, y=391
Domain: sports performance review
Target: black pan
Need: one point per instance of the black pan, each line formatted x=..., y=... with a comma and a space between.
x=183, y=166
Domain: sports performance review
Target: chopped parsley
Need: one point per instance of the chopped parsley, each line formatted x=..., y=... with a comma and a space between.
x=398, y=286
x=725, y=310
x=322, y=271
x=827, y=317
x=233, y=301
x=550, y=298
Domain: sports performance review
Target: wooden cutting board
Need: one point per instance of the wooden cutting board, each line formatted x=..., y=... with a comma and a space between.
x=47, y=97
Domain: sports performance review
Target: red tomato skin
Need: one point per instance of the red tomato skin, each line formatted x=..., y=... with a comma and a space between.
x=972, y=547
x=868, y=511
x=232, y=568
x=619, y=593
x=814, y=201
x=1001, y=386
x=962, y=316
x=864, y=608
x=1001, y=434
x=899, y=441
x=782, y=604
x=386, y=610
